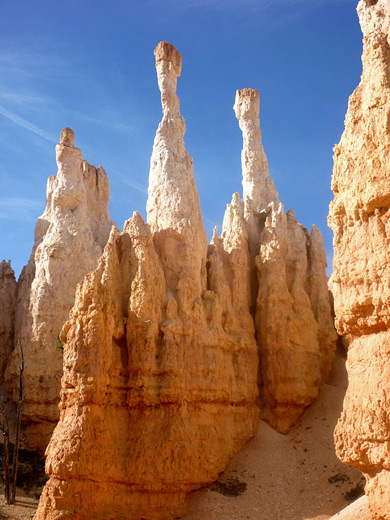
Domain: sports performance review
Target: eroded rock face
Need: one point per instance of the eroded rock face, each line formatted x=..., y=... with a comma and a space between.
x=69, y=239
x=163, y=343
x=360, y=219
x=160, y=370
x=7, y=313
x=289, y=294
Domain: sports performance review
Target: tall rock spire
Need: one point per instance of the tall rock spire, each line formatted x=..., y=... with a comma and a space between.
x=284, y=279
x=160, y=368
x=173, y=203
x=69, y=239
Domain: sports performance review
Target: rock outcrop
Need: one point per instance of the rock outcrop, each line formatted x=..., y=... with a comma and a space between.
x=160, y=375
x=162, y=346
x=7, y=313
x=69, y=239
x=360, y=219
x=289, y=294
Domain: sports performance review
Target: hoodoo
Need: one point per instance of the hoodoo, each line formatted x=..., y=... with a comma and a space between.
x=162, y=346
x=360, y=218
x=160, y=376
x=289, y=294
x=69, y=239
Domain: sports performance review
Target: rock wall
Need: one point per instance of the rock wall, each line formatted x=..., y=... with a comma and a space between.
x=360, y=218
x=69, y=239
x=161, y=358
x=7, y=313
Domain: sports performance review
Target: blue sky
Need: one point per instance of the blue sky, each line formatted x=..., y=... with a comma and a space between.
x=90, y=65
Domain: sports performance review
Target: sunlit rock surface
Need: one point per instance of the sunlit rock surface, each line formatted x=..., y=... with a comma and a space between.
x=360, y=219
x=162, y=347
x=289, y=294
x=69, y=239
x=160, y=376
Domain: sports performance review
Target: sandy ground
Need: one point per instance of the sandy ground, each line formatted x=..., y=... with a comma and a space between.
x=358, y=510
x=25, y=504
x=23, y=509
x=288, y=477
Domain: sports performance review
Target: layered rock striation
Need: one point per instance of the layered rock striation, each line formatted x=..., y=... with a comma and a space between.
x=7, y=313
x=160, y=374
x=360, y=218
x=69, y=239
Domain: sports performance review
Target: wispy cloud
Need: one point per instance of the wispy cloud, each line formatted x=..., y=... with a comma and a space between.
x=22, y=99
x=109, y=119
x=19, y=208
x=27, y=125
x=124, y=178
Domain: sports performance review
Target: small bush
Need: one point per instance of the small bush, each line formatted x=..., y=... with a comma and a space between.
x=339, y=477
x=60, y=345
x=354, y=493
x=231, y=488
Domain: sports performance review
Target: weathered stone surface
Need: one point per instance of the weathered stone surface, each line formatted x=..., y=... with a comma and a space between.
x=69, y=239
x=160, y=371
x=161, y=357
x=360, y=219
x=289, y=294
x=7, y=313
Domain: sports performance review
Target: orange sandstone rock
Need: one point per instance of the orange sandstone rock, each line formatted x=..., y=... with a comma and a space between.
x=69, y=239
x=160, y=372
x=289, y=294
x=360, y=218
x=161, y=357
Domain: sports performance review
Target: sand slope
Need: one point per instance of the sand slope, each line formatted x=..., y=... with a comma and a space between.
x=287, y=475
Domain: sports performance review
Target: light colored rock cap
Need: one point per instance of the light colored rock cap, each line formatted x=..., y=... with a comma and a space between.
x=67, y=137
x=168, y=66
x=67, y=155
x=167, y=53
x=247, y=103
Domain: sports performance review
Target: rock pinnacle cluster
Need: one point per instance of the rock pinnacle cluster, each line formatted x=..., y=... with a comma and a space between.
x=163, y=346
x=172, y=347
